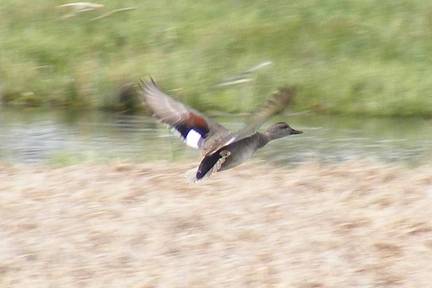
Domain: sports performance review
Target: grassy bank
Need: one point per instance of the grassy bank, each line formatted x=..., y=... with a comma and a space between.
x=355, y=57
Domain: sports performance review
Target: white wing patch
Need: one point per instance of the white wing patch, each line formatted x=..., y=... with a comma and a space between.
x=193, y=138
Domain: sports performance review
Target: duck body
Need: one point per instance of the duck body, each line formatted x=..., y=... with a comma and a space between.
x=231, y=155
x=220, y=148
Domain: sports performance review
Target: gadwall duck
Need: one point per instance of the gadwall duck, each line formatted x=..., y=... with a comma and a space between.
x=221, y=149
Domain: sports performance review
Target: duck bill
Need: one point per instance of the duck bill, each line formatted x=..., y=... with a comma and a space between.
x=296, y=131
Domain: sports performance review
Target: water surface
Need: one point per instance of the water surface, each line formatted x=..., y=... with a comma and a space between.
x=35, y=136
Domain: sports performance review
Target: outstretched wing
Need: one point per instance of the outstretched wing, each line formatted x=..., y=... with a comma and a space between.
x=274, y=105
x=192, y=126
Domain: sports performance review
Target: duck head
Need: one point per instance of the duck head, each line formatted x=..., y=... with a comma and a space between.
x=279, y=130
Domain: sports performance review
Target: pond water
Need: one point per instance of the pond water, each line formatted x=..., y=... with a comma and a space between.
x=34, y=136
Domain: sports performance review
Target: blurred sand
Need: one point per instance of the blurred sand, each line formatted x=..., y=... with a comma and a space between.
x=346, y=225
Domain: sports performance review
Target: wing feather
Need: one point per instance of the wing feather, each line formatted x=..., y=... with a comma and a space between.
x=192, y=126
x=273, y=106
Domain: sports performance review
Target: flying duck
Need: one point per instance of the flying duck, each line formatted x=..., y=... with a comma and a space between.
x=220, y=148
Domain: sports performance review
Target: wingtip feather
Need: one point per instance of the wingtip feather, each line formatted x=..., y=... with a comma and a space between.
x=141, y=84
x=147, y=84
x=153, y=81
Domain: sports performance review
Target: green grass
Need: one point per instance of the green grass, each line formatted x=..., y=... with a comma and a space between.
x=353, y=57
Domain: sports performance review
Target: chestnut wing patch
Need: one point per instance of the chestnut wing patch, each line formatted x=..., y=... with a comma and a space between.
x=190, y=125
x=193, y=129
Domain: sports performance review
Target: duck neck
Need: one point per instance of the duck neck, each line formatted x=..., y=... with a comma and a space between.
x=263, y=138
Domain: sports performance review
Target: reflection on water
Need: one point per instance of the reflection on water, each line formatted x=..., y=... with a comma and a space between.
x=39, y=136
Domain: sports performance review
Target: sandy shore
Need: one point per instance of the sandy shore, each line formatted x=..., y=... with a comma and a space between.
x=121, y=225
